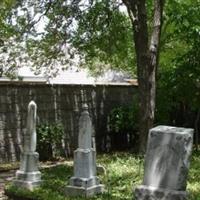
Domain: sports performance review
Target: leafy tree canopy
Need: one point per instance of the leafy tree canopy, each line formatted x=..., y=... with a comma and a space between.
x=179, y=75
x=96, y=34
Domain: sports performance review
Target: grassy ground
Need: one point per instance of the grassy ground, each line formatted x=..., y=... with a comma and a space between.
x=194, y=178
x=123, y=172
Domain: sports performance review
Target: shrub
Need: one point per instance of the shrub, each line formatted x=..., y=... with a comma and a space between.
x=49, y=143
x=123, y=119
x=123, y=127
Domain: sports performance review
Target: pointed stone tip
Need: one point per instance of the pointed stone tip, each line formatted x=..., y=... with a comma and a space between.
x=85, y=106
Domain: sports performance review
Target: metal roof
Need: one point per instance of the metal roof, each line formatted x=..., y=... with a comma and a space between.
x=72, y=77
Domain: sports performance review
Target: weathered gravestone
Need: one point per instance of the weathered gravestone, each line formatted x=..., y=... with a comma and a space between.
x=28, y=176
x=84, y=182
x=166, y=164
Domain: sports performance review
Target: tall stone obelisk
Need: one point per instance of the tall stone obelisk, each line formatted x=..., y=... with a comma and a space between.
x=84, y=182
x=28, y=176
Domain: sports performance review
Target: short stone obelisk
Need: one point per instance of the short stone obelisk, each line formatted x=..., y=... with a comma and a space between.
x=28, y=176
x=84, y=182
x=166, y=164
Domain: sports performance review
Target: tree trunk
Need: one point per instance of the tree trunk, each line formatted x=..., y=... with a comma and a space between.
x=147, y=60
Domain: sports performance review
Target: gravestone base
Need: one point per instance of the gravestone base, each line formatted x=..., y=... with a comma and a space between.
x=147, y=192
x=28, y=180
x=28, y=176
x=84, y=164
x=84, y=183
x=84, y=191
x=30, y=185
x=85, y=187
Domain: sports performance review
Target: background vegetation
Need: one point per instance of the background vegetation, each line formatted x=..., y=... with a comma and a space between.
x=99, y=34
x=178, y=96
x=49, y=141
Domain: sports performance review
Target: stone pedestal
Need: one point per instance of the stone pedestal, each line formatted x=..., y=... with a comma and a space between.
x=166, y=164
x=147, y=192
x=84, y=187
x=84, y=163
x=84, y=182
x=28, y=176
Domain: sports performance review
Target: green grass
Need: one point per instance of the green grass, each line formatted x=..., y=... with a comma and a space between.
x=194, y=178
x=9, y=166
x=123, y=172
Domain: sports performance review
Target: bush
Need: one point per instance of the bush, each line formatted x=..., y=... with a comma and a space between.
x=123, y=127
x=123, y=119
x=49, y=144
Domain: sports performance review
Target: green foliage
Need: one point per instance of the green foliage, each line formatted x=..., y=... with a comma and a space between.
x=124, y=119
x=6, y=32
x=50, y=133
x=5, y=6
x=49, y=140
x=179, y=72
x=9, y=166
x=105, y=37
x=186, y=20
x=193, y=183
x=123, y=172
x=96, y=34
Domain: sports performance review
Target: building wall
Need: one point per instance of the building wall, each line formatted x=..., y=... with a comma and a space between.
x=57, y=103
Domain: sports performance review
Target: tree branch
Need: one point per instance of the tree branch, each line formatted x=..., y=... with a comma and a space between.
x=31, y=25
x=130, y=9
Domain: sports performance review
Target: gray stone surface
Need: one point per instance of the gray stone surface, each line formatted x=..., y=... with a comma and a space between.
x=84, y=192
x=84, y=182
x=85, y=130
x=166, y=162
x=85, y=163
x=30, y=136
x=28, y=176
x=151, y=193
